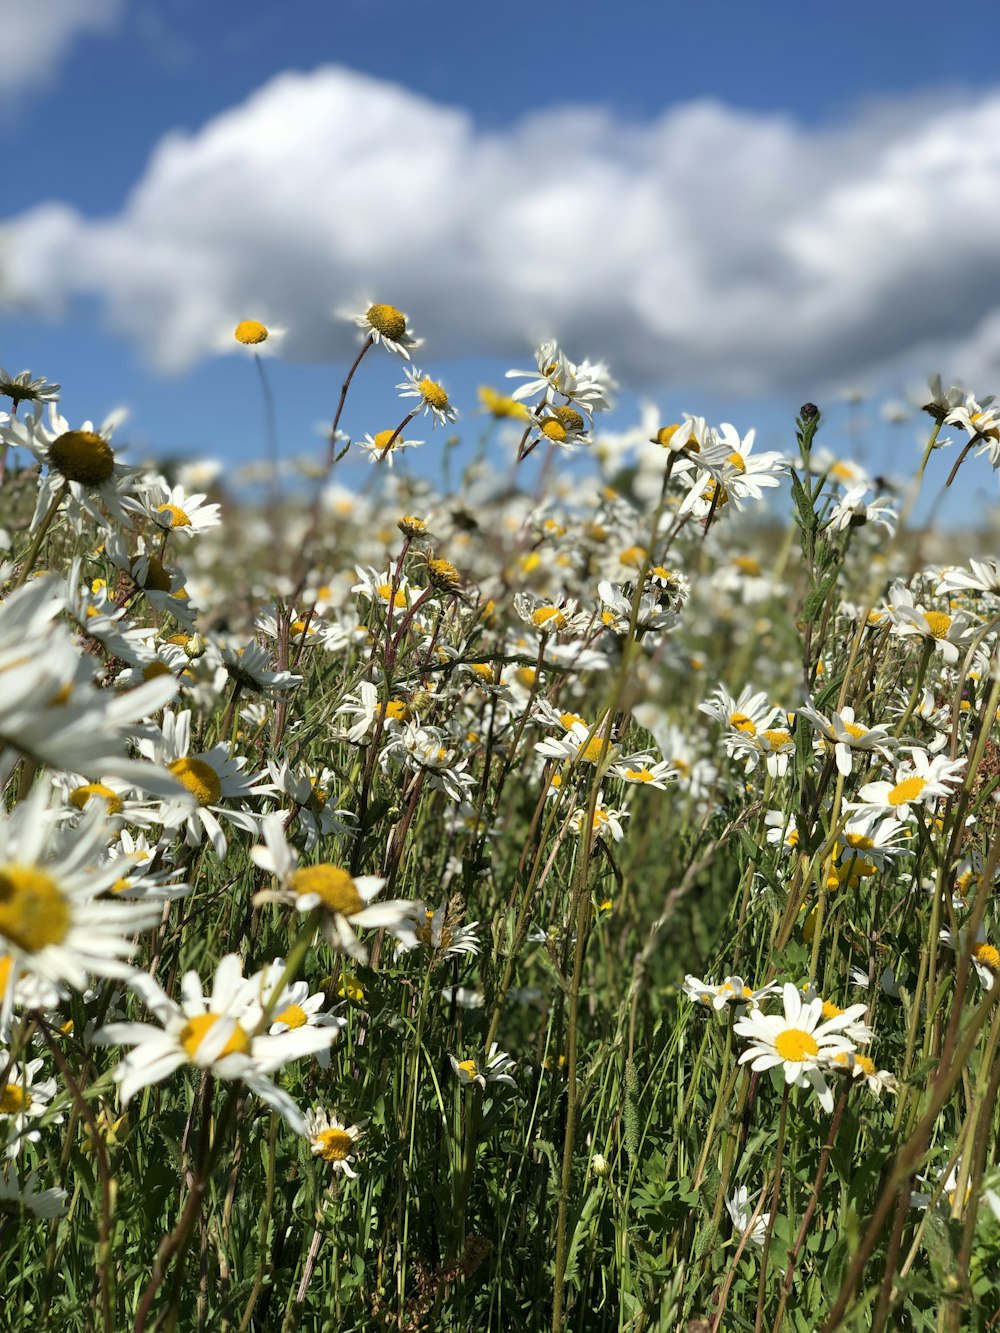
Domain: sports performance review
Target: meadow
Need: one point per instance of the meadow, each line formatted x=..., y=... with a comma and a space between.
x=562, y=898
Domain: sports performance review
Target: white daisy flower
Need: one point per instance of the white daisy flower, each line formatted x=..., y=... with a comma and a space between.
x=920, y=780
x=250, y=668
x=217, y=1032
x=384, y=324
x=44, y=1203
x=845, y=736
x=174, y=510
x=22, y=1100
x=346, y=901
x=431, y=396
x=797, y=1040
x=491, y=1070
x=741, y=1210
x=731, y=991
x=332, y=1139
x=209, y=778
x=55, y=922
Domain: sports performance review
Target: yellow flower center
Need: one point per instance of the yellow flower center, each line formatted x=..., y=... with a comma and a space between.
x=746, y=564
x=200, y=778
x=196, y=1029
x=387, y=320
x=79, y=797
x=776, y=739
x=484, y=671
x=526, y=677
x=154, y=669
x=350, y=989
x=294, y=1016
x=553, y=429
x=33, y=909
x=432, y=393
x=500, y=405
x=178, y=518
x=859, y=841
x=665, y=434
x=333, y=1145
x=736, y=461
x=938, y=623
x=570, y=418
x=334, y=887
x=385, y=592
x=794, y=1044
x=83, y=456
x=988, y=955
x=741, y=722
x=443, y=573
x=468, y=1067
x=907, y=790
x=831, y=1010
x=852, y=729
x=249, y=332
x=633, y=557
x=548, y=618
x=14, y=1098
x=397, y=711
x=593, y=749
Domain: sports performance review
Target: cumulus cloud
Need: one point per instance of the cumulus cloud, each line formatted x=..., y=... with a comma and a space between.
x=37, y=36
x=709, y=246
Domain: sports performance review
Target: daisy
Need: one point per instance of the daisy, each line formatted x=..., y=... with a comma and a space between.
x=853, y=511
x=430, y=395
x=947, y=633
x=377, y=444
x=346, y=901
x=49, y=708
x=982, y=576
x=985, y=956
x=733, y=991
x=859, y=1066
x=21, y=388
x=294, y=1007
x=55, y=923
x=425, y=750
x=254, y=337
x=79, y=462
x=173, y=510
x=796, y=1040
x=332, y=1139
x=775, y=745
x=208, y=778
x=749, y=713
x=846, y=736
x=616, y=612
x=588, y=385
x=17, y=1196
x=441, y=931
x=384, y=324
x=741, y=1210
x=492, y=1070
x=921, y=780
x=217, y=1032
x=606, y=822
x=250, y=668
x=22, y=1100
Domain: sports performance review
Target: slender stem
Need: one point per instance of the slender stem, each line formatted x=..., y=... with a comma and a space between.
x=28, y=563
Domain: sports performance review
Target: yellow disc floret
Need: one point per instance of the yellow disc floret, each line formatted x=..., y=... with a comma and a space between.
x=200, y=778
x=795, y=1044
x=176, y=516
x=907, y=790
x=333, y=1145
x=34, y=912
x=196, y=1029
x=250, y=332
x=433, y=394
x=82, y=456
x=334, y=887
x=79, y=797
x=387, y=321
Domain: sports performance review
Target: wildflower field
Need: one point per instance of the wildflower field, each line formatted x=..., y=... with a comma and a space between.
x=560, y=896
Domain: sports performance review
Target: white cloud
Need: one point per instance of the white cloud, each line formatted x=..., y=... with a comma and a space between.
x=37, y=36
x=709, y=246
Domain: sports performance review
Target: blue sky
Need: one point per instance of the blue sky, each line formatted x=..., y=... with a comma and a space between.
x=739, y=206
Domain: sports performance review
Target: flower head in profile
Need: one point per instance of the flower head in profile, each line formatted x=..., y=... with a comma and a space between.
x=22, y=388
x=385, y=324
x=741, y=1210
x=493, y=1069
x=431, y=396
